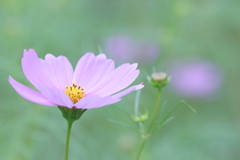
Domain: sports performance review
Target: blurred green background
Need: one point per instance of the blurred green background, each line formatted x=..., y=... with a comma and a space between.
x=209, y=29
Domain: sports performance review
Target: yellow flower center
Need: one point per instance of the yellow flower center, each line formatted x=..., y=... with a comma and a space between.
x=75, y=92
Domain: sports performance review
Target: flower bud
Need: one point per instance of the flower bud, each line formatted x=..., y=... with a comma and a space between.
x=140, y=118
x=159, y=79
x=159, y=76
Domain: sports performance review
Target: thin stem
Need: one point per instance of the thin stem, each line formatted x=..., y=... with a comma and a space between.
x=70, y=122
x=146, y=136
x=143, y=141
x=155, y=111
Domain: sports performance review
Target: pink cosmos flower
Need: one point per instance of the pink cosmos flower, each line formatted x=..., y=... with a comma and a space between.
x=93, y=84
x=124, y=48
x=196, y=78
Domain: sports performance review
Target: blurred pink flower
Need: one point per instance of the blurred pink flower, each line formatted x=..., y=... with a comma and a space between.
x=124, y=48
x=196, y=79
x=93, y=84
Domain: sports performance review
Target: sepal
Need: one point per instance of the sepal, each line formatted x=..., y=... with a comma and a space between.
x=72, y=114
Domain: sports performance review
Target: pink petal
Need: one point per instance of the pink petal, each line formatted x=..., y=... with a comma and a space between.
x=29, y=93
x=56, y=96
x=90, y=70
x=61, y=70
x=53, y=73
x=127, y=91
x=122, y=77
x=93, y=101
x=32, y=68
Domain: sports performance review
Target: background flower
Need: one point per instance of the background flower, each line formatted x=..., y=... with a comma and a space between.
x=124, y=48
x=196, y=78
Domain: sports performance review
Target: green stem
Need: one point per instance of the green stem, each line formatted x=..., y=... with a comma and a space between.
x=155, y=111
x=143, y=141
x=146, y=136
x=70, y=122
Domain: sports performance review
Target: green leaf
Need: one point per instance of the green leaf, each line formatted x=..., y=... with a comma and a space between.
x=136, y=106
x=167, y=119
x=147, y=76
x=162, y=109
x=122, y=110
x=120, y=123
x=127, y=107
x=153, y=69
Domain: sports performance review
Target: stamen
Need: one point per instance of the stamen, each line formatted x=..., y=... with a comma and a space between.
x=75, y=92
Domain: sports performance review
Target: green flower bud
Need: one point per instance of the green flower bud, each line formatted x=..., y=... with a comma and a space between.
x=140, y=118
x=159, y=79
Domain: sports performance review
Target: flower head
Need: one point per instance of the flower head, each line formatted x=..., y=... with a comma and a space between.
x=196, y=79
x=125, y=48
x=93, y=84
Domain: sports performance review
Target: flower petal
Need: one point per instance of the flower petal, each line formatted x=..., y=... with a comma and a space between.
x=56, y=96
x=90, y=70
x=32, y=68
x=93, y=101
x=53, y=72
x=119, y=79
x=61, y=70
x=29, y=93
x=129, y=90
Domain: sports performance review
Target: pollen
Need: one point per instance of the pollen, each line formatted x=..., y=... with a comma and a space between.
x=75, y=92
